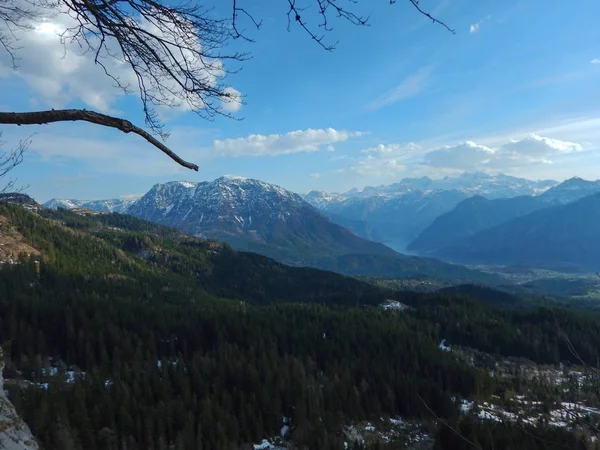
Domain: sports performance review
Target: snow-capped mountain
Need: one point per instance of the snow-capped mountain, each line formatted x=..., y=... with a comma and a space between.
x=250, y=215
x=399, y=212
x=488, y=186
x=117, y=205
x=570, y=191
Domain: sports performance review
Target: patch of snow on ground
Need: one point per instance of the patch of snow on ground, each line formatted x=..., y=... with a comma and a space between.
x=443, y=347
x=263, y=445
x=395, y=304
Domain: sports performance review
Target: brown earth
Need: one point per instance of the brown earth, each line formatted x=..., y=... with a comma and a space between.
x=12, y=243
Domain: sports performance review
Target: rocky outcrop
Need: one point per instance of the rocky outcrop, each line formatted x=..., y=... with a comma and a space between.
x=14, y=433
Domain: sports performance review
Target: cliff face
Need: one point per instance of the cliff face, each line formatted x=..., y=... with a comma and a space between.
x=14, y=433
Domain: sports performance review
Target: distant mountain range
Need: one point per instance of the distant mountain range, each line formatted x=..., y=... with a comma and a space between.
x=489, y=186
x=399, y=212
x=562, y=237
x=469, y=217
x=554, y=229
x=118, y=205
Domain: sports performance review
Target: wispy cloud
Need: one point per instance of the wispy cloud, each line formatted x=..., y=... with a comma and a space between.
x=410, y=87
x=595, y=61
x=384, y=160
x=475, y=27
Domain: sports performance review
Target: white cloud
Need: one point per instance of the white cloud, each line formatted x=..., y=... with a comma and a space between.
x=315, y=175
x=595, y=61
x=234, y=102
x=533, y=149
x=60, y=72
x=466, y=154
x=310, y=140
x=376, y=167
x=511, y=155
x=391, y=149
x=475, y=27
x=384, y=160
x=409, y=87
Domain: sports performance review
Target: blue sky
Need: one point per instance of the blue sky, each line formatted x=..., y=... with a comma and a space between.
x=515, y=90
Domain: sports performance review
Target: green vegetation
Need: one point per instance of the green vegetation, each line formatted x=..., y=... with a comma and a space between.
x=178, y=343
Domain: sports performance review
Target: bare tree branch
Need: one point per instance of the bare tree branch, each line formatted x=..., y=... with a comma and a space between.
x=9, y=160
x=174, y=52
x=325, y=10
x=71, y=115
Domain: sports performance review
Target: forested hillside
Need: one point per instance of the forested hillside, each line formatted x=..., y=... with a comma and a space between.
x=131, y=335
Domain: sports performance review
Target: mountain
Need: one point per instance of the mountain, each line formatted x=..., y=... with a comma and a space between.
x=469, y=217
x=569, y=191
x=255, y=216
x=118, y=205
x=399, y=212
x=16, y=198
x=562, y=237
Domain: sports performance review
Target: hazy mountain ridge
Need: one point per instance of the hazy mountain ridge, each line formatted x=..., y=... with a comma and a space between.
x=469, y=217
x=452, y=231
x=569, y=191
x=563, y=236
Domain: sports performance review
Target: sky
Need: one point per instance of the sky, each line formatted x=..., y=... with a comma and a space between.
x=515, y=90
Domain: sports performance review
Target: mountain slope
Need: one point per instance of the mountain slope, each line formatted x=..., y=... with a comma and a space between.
x=121, y=247
x=471, y=216
x=560, y=236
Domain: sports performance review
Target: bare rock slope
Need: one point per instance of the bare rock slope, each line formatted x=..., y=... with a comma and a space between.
x=14, y=433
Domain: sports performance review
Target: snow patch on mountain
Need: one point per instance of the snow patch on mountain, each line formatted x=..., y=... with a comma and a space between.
x=117, y=205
